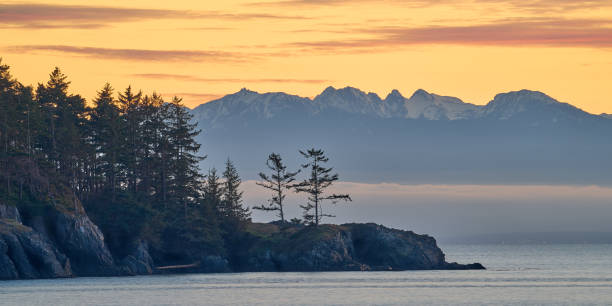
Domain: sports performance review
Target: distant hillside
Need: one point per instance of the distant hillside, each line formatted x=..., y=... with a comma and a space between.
x=518, y=137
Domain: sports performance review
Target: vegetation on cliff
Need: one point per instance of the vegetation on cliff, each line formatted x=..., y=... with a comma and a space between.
x=131, y=161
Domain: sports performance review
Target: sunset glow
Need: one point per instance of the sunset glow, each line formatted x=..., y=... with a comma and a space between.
x=201, y=50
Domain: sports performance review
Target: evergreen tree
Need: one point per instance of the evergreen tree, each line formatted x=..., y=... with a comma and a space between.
x=64, y=143
x=8, y=113
x=186, y=177
x=51, y=98
x=213, y=190
x=319, y=180
x=231, y=204
x=279, y=181
x=108, y=139
x=163, y=151
x=131, y=109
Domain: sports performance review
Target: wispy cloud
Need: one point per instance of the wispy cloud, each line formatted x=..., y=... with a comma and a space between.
x=190, y=78
x=535, y=5
x=50, y=16
x=196, y=97
x=516, y=33
x=133, y=54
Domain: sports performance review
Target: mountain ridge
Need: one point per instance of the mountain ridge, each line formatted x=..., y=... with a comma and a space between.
x=421, y=104
x=519, y=137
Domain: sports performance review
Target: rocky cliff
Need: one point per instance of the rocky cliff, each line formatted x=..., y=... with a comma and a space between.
x=348, y=247
x=68, y=244
x=59, y=244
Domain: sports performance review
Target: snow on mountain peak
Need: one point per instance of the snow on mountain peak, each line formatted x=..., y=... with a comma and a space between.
x=421, y=105
x=529, y=103
x=349, y=99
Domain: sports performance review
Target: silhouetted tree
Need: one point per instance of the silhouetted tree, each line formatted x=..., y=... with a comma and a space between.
x=130, y=105
x=279, y=181
x=107, y=127
x=186, y=177
x=231, y=204
x=319, y=180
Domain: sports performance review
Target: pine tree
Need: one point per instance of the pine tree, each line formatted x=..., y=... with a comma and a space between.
x=108, y=138
x=213, y=190
x=131, y=109
x=150, y=134
x=319, y=180
x=231, y=204
x=279, y=181
x=186, y=177
x=64, y=142
x=8, y=113
x=51, y=97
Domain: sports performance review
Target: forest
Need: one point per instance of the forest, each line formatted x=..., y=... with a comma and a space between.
x=131, y=159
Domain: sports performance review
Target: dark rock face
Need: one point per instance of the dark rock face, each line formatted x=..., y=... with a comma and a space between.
x=24, y=253
x=350, y=247
x=64, y=244
x=139, y=262
x=214, y=264
x=325, y=248
x=82, y=241
x=61, y=244
x=10, y=212
x=389, y=249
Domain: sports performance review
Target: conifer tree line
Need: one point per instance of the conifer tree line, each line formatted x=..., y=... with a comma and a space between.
x=132, y=142
x=126, y=154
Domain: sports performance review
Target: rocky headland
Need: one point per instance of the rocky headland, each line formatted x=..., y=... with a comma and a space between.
x=68, y=244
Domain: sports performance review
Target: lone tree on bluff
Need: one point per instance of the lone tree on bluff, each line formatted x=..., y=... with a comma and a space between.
x=279, y=181
x=320, y=179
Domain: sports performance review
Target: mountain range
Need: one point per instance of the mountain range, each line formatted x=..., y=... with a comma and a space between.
x=518, y=137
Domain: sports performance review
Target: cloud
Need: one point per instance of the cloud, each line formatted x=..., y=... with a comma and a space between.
x=460, y=193
x=133, y=54
x=51, y=16
x=190, y=78
x=513, y=32
x=536, y=5
x=194, y=96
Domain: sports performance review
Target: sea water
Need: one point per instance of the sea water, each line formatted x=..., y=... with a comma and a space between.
x=516, y=275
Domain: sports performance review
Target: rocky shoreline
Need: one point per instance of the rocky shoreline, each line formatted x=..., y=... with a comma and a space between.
x=69, y=244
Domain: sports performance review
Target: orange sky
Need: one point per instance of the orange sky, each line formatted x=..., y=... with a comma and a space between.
x=205, y=49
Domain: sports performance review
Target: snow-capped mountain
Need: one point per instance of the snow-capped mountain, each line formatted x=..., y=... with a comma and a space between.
x=250, y=103
x=345, y=100
x=421, y=105
x=434, y=107
x=350, y=100
x=531, y=104
x=518, y=137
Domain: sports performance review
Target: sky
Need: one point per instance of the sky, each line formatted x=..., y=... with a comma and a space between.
x=201, y=50
x=459, y=213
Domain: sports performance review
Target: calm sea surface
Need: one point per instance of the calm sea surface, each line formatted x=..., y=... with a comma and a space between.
x=517, y=275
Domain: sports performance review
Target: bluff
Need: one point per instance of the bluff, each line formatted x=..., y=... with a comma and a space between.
x=45, y=232
x=347, y=247
x=71, y=245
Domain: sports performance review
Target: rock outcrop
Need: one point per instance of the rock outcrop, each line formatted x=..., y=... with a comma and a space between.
x=139, y=262
x=24, y=253
x=60, y=244
x=68, y=243
x=10, y=212
x=349, y=247
x=324, y=248
x=82, y=241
